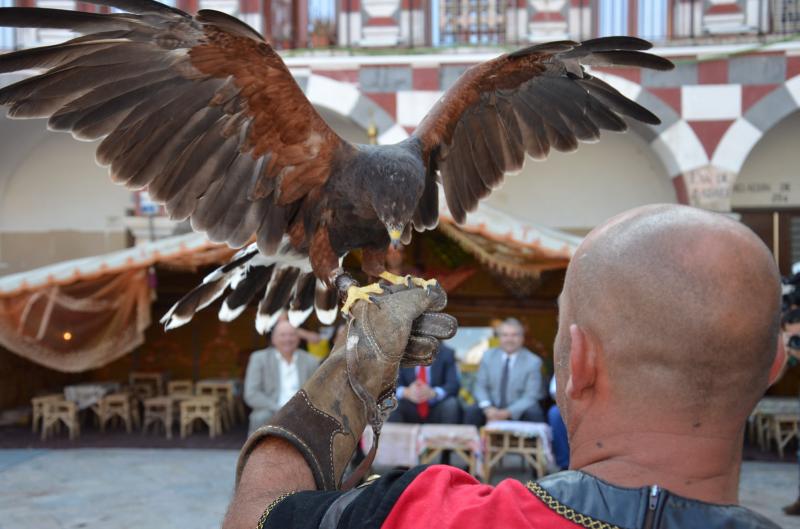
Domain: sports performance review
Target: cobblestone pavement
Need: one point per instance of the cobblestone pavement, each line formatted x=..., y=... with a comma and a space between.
x=190, y=489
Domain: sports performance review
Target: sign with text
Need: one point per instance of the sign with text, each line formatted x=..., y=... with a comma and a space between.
x=765, y=193
x=709, y=187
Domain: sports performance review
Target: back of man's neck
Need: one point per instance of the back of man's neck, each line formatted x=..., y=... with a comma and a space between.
x=702, y=468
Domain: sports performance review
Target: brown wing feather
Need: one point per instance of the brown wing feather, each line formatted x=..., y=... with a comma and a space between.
x=199, y=110
x=525, y=102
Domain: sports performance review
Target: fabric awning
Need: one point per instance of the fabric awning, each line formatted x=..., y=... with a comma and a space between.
x=84, y=313
x=187, y=250
x=508, y=244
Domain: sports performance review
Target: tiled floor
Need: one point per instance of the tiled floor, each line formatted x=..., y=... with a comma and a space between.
x=190, y=489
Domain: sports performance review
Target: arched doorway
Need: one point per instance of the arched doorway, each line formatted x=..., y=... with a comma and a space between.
x=576, y=191
x=767, y=190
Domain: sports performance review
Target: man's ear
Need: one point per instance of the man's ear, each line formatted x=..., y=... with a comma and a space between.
x=582, y=362
x=778, y=363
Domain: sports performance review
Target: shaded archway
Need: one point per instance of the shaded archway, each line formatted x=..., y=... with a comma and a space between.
x=577, y=191
x=770, y=174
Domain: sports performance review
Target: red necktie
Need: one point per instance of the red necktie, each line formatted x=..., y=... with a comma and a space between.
x=422, y=407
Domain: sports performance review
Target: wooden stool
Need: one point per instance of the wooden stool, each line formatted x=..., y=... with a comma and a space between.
x=159, y=410
x=38, y=405
x=64, y=411
x=498, y=443
x=119, y=405
x=180, y=387
x=206, y=409
x=783, y=427
x=146, y=385
x=224, y=392
x=463, y=439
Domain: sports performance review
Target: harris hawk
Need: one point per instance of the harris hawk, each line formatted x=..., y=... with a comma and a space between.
x=203, y=113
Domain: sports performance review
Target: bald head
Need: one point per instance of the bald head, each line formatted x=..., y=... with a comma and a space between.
x=684, y=305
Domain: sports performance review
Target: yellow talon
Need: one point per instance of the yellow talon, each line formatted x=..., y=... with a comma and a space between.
x=424, y=283
x=355, y=293
x=393, y=278
x=400, y=280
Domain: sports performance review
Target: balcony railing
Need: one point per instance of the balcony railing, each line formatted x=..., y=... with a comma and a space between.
x=442, y=23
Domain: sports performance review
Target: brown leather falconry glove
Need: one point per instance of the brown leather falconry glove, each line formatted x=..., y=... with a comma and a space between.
x=355, y=385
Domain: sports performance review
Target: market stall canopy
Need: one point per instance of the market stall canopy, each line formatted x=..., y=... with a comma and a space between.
x=508, y=244
x=84, y=313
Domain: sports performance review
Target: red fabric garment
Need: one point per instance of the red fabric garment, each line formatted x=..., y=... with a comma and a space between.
x=445, y=497
x=423, y=408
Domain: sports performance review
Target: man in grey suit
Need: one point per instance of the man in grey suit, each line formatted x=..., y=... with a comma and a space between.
x=509, y=381
x=275, y=374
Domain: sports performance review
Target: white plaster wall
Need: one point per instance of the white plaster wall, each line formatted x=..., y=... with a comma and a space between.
x=51, y=182
x=770, y=175
x=343, y=126
x=581, y=189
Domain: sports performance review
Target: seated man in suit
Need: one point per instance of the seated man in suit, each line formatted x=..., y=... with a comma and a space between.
x=429, y=394
x=275, y=374
x=509, y=381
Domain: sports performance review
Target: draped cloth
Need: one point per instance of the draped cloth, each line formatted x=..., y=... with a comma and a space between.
x=85, y=313
x=79, y=326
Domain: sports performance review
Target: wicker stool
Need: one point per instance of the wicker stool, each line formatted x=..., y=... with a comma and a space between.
x=159, y=410
x=206, y=409
x=38, y=404
x=119, y=405
x=180, y=387
x=64, y=411
x=499, y=442
x=224, y=392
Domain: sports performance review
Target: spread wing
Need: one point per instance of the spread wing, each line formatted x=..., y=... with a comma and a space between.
x=528, y=101
x=199, y=110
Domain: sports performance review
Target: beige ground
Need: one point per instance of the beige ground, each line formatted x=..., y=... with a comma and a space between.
x=182, y=489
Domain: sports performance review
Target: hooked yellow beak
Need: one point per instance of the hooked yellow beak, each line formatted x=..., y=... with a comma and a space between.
x=394, y=234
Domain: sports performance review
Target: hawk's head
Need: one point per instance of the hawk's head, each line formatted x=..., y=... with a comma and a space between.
x=394, y=189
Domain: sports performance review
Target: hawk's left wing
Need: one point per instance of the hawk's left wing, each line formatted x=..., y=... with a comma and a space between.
x=523, y=102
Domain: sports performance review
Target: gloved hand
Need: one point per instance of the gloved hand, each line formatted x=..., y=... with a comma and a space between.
x=355, y=385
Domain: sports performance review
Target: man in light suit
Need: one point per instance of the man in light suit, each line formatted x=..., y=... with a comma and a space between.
x=509, y=381
x=429, y=394
x=275, y=374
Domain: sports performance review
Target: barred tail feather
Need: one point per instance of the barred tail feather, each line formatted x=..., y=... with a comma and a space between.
x=325, y=303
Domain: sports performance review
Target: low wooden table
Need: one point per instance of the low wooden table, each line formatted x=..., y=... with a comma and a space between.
x=531, y=440
x=775, y=418
x=463, y=439
x=89, y=394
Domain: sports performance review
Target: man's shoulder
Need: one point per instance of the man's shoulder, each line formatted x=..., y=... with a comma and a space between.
x=261, y=354
x=595, y=499
x=306, y=357
x=445, y=354
x=490, y=354
x=401, y=500
x=530, y=357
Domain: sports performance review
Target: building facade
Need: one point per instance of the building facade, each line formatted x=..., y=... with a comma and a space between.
x=727, y=142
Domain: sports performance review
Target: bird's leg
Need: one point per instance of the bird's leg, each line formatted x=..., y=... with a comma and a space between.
x=408, y=280
x=352, y=292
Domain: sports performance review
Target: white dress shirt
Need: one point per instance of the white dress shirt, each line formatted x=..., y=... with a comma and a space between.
x=289, y=379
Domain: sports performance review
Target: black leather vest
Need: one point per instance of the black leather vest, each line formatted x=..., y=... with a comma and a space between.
x=594, y=503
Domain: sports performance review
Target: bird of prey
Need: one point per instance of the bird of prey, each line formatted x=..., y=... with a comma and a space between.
x=203, y=113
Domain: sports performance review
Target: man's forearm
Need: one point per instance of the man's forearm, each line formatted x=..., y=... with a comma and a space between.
x=273, y=469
